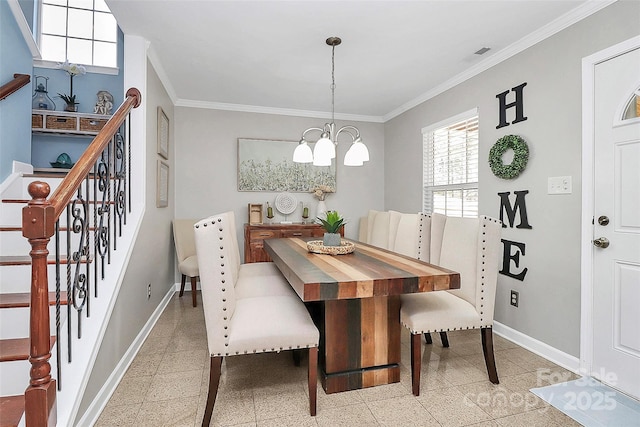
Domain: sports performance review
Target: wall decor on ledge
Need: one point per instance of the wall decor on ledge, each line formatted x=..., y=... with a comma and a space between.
x=163, y=133
x=267, y=165
x=162, y=185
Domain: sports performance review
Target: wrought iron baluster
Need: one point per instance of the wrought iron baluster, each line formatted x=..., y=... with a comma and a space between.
x=58, y=349
x=109, y=199
x=103, y=227
x=69, y=288
x=120, y=197
x=80, y=291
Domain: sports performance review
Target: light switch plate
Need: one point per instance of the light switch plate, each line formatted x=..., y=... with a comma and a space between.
x=559, y=185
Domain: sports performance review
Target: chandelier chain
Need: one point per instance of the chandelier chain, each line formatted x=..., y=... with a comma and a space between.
x=333, y=83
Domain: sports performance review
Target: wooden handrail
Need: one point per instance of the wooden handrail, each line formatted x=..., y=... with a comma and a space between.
x=18, y=81
x=38, y=225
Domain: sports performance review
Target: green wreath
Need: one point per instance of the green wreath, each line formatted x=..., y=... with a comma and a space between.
x=520, y=156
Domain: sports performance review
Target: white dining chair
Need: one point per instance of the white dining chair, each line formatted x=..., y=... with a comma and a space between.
x=472, y=247
x=186, y=254
x=259, y=320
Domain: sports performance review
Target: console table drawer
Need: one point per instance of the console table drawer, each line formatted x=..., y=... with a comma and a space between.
x=254, y=236
x=263, y=234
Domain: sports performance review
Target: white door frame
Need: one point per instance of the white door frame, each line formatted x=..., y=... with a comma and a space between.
x=586, y=249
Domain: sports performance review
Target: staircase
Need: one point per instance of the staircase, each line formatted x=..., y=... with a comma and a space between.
x=60, y=263
x=15, y=272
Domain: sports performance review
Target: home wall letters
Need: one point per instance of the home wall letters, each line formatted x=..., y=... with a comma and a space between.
x=518, y=103
x=512, y=250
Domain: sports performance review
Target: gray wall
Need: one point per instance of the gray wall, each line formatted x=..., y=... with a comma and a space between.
x=15, y=111
x=152, y=260
x=550, y=293
x=206, y=157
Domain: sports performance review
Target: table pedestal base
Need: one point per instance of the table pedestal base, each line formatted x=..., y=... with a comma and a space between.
x=353, y=380
x=359, y=342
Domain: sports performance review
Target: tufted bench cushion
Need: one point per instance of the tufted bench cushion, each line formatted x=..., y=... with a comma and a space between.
x=260, y=279
x=438, y=310
x=270, y=324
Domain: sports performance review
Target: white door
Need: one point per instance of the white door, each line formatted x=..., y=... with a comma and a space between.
x=616, y=268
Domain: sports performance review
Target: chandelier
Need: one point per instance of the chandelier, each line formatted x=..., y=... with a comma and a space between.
x=325, y=148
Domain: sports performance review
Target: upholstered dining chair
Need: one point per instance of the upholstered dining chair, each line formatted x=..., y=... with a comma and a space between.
x=186, y=254
x=470, y=246
x=257, y=320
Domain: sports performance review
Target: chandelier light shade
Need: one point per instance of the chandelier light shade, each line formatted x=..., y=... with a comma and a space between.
x=325, y=147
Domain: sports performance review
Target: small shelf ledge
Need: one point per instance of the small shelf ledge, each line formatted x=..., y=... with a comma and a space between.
x=67, y=123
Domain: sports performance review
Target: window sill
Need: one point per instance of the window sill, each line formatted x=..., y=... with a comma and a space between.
x=114, y=71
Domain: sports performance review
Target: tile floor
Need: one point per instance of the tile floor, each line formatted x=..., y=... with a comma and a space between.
x=166, y=385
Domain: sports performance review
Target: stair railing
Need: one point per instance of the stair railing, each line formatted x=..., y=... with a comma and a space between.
x=18, y=81
x=103, y=173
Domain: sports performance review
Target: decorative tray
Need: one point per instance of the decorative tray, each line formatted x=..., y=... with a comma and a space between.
x=316, y=247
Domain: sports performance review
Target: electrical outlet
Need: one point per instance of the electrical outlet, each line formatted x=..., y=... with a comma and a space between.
x=515, y=298
x=149, y=291
x=559, y=185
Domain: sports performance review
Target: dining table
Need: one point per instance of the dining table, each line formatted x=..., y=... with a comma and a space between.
x=354, y=300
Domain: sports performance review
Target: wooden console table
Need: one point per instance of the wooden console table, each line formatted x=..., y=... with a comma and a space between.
x=254, y=236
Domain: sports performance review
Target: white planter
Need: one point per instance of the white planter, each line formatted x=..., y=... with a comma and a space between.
x=331, y=239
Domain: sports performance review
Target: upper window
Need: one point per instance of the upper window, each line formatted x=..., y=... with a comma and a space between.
x=450, y=166
x=81, y=31
x=632, y=109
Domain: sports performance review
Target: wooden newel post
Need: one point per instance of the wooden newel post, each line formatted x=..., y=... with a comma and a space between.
x=38, y=224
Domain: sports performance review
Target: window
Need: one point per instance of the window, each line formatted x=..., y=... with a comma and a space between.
x=82, y=31
x=450, y=166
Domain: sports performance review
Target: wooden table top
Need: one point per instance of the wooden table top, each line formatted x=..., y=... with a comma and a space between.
x=367, y=272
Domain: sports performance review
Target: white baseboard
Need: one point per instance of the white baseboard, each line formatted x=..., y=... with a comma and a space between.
x=94, y=410
x=558, y=357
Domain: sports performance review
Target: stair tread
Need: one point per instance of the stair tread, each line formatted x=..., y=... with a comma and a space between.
x=23, y=299
x=11, y=408
x=26, y=260
x=17, y=349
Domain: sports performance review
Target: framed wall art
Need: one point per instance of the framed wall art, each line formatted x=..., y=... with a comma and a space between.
x=267, y=165
x=162, y=185
x=163, y=133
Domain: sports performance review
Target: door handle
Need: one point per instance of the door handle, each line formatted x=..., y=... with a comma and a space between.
x=601, y=242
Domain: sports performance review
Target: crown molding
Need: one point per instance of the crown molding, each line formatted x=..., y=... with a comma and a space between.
x=273, y=110
x=579, y=13
x=162, y=75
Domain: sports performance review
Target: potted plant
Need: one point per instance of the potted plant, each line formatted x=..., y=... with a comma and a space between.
x=72, y=70
x=70, y=100
x=331, y=223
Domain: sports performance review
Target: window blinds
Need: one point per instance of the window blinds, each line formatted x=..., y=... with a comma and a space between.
x=450, y=168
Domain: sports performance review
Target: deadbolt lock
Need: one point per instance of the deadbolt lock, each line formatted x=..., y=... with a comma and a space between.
x=601, y=242
x=603, y=220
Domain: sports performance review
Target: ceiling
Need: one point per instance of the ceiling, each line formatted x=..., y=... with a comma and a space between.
x=271, y=56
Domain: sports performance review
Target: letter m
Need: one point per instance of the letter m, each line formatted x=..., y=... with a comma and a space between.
x=518, y=207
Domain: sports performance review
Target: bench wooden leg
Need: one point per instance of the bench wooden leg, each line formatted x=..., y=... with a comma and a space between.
x=427, y=338
x=194, y=295
x=313, y=379
x=214, y=382
x=444, y=339
x=297, y=355
x=184, y=278
x=487, y=349
x=416, y=363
